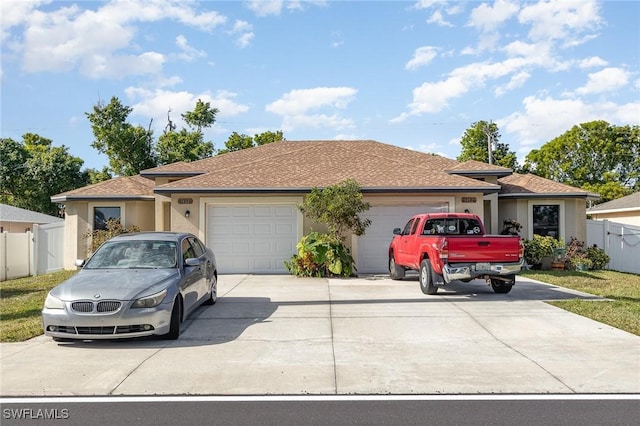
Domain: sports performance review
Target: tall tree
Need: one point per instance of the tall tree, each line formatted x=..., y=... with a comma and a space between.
x=595, y=156
x=45, y=171
x=128, y=147
x=187, y=144
x=475, y=146
x=237, y=142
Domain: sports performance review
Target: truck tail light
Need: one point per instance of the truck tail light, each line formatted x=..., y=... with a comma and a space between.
x=521, y=249
x=444, y=250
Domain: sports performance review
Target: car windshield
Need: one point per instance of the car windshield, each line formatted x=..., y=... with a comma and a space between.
x=134, y=254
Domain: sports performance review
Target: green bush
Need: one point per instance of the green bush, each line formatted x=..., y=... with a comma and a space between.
x=539, y=247
x=321, y=255
x=114, y=227
x=598, y=257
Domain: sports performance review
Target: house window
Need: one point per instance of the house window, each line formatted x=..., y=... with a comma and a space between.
x=103, y=214
x=546, y=220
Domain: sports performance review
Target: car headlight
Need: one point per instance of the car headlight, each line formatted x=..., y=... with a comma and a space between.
x=150, y=301
x=53, y=303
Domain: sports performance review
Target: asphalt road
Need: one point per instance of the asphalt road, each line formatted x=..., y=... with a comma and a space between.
x=321, y=411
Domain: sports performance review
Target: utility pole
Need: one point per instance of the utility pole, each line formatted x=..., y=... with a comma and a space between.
x=489, y=134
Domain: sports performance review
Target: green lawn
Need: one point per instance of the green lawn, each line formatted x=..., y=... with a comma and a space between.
x=21, y=299
x=623, y=290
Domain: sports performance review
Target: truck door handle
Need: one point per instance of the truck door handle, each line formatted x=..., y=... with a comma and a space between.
x=483, y=243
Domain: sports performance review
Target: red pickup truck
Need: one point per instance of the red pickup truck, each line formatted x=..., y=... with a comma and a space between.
x=445, y=247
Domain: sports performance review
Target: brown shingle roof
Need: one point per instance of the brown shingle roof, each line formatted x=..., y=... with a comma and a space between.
x=131, y=187
x=523, y=185
x=300, y=165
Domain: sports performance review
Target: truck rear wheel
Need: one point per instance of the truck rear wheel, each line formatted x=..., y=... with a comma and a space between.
x=426, y=280
x=396, y=272
x=501, y=287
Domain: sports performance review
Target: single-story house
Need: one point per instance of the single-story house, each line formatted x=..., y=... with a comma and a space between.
x=624, y=210
x=243, y=204
x=15, y=219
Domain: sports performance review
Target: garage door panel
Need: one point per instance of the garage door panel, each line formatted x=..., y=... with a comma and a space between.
x=252, y=238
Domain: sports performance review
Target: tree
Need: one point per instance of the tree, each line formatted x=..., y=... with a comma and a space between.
x=237, y=141
x=594, y=156
x=187, y=144
x=475, y=146
x=128, y=147
x=338, y=207
x=44, y=171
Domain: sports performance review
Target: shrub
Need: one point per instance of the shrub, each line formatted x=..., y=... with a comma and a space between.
x=598, y=257
x=580, y=257
x=321, y=255
x=539, y=247
x=114, y=227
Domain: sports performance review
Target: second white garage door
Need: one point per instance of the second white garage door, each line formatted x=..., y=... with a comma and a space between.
x=373, y=246
x=252, y=238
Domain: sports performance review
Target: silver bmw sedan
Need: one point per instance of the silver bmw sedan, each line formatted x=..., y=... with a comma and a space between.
x=138, y=284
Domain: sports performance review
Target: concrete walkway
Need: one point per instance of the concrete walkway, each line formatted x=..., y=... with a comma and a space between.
x=284, y=335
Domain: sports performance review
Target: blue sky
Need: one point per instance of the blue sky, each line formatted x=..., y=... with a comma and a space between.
x=412, y=74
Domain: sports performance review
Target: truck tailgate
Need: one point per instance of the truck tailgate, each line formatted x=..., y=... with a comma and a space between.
x=487, y=248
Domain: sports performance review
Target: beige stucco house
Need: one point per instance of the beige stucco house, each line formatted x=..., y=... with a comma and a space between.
x=624, y=210
x=243, y=204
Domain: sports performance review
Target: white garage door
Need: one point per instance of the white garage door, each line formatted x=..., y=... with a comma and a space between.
x=373, y=246
x=252, y=238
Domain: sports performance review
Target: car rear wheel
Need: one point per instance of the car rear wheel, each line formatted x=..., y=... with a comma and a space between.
x=213, y=292
x=176, y=317
x=426, y=280
x=501, y=287
x=396, y=272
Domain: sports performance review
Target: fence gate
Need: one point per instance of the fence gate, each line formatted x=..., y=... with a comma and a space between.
x=621, y=242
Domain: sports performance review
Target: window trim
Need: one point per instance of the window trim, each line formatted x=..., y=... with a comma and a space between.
x=547, y=202
x=91, y=211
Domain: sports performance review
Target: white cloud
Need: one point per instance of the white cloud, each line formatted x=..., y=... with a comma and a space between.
x=545, y=118
x=560, y=20
x=422, y=56
x=517, y=81
x=606, y=80
x=437, y=18
x=593, y=61
x=265, y=7
x=297, y=106
x=155, y=104
x=95, y=40
x=244, y=30
x=188, y=53
x=488, y=18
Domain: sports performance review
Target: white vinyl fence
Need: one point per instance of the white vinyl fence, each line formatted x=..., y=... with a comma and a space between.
x=621, y=242
x=32, y=253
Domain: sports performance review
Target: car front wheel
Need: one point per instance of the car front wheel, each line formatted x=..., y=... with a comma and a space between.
x=396, y=272
x=212, y=298
x=176, y=317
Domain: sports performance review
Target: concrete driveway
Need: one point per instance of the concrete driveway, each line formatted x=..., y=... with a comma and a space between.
x=285, y=335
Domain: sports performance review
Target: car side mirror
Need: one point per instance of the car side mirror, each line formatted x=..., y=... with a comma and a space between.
x=397, y=231
x=193, y=261
x=80, y=262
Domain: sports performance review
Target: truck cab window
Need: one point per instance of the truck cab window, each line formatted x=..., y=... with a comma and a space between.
x=407, y=228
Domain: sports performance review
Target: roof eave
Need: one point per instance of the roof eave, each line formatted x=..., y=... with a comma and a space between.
x=299, y=190
x=501, y=173
x=184, y=174
x=550, y=195
x=67, y=198
x=607, y=211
